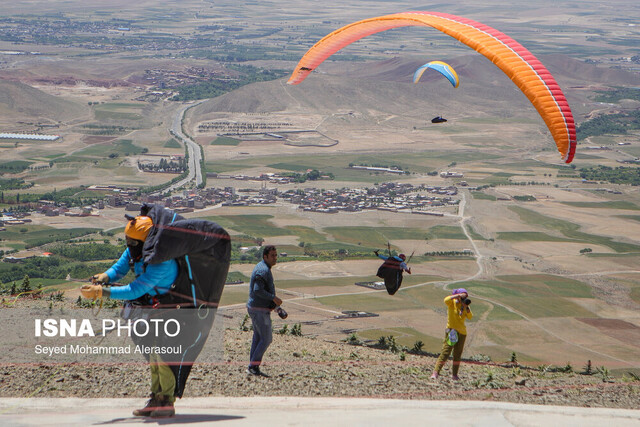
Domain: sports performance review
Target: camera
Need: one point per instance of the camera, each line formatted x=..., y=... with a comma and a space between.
x=467, y=301
x=283, y=314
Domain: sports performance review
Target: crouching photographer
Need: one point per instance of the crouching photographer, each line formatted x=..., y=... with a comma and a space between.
x=457, y=312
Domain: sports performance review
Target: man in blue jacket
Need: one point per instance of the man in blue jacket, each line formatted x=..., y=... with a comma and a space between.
x=151, y=281
x=262, y=299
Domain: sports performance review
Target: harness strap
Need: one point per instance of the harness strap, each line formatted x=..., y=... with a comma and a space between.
x=193, y=286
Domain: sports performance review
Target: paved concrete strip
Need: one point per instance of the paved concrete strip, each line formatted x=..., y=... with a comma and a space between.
x=294, y=411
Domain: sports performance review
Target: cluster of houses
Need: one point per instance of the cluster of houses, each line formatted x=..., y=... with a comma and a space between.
x=17, y=218
x=163, y=79
x=387, y=196
x=190, y=200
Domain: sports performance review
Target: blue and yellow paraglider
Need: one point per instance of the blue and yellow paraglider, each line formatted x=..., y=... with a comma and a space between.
x=441, y=67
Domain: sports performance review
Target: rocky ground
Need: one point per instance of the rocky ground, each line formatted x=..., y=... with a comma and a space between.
x=302, y=366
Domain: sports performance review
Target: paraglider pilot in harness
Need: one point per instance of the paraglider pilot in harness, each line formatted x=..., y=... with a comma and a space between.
x=181, y=267
x=391, y=271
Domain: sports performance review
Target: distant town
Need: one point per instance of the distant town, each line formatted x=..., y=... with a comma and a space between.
x=388, y=196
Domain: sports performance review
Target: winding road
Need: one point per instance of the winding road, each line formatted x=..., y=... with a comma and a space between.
x=193, y=149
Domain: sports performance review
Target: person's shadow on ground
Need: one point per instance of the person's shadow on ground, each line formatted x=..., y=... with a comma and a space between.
x=178, y=419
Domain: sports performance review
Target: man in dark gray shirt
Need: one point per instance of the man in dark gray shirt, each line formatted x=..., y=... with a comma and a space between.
x=262, y=299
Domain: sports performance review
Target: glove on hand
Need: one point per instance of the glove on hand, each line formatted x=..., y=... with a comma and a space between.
x=100, y=278
x=92, y=292
x=375, y=252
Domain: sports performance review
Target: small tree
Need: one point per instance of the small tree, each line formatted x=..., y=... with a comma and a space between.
x=38, y=292
x=588, y=370
x=514, y=358
x=26, y=284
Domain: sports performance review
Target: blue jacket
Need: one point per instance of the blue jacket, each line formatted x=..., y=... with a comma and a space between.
x=262, y=290
x=156, y=280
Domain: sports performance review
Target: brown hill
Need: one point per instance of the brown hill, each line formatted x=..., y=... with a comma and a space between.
x=476, y=67
x=374, y=88
x=386, y=87
x=573, y=71
x=21, y=102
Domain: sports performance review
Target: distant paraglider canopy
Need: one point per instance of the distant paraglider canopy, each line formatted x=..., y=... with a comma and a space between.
x=524, y=69
x=438, y=119
x=441, y=67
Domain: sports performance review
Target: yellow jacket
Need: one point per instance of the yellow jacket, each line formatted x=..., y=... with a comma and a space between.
x=455, y=319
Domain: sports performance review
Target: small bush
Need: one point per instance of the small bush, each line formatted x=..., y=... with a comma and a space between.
x=110, y=303
x=604, y=373
x=633, y=376
x=388, y=343
x=244, y=325
x=490, y=381
x=353, y=339
x=85, y=303
x=57, y=296
x=296, y=330
x=544, y=369
x=284, y=330
x=480, y=358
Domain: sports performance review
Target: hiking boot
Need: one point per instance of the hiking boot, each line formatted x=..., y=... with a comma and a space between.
x=434, y=376
x=455, y=377
x=151, y=405
x=254, y=370
x=164, y=409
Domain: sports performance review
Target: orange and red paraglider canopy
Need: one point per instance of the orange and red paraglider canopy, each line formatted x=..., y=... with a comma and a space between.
x=524, y=69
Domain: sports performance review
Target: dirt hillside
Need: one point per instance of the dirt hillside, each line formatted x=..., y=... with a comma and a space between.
x=21, y=102
x=301, y=366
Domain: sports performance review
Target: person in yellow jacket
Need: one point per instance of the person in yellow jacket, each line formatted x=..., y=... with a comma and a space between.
x=457, y=312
